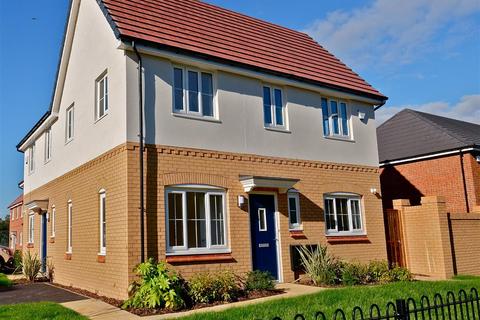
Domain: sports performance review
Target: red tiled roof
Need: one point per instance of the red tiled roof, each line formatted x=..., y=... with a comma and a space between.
x=209, y=30
x=17, y=201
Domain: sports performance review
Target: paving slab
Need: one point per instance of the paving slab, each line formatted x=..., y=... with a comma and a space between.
x=98, y=310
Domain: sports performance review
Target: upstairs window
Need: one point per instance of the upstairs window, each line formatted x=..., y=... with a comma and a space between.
x=193, y=92
x=102, y=96
x=343, y=214
x=273, y=108
x=31, y=159
x=335, y=118
x=294, y=210
x=48, y=144
x=195, y=220
x=69, y=122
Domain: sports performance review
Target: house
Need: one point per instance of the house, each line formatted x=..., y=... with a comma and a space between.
x=422, y=154
x=16, y=223
x=254, y=139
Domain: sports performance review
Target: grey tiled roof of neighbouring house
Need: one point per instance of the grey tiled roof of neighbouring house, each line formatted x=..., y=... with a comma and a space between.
x=412, y=133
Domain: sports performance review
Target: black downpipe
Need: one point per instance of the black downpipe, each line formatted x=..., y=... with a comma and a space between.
x=140, y=138
x=465, y=191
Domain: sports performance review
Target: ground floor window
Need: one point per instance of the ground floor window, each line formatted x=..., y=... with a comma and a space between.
x=103, y=223
x=31, y=226
x=294, y=210
x=343, y=214
x=69, y=226
x=195, y=219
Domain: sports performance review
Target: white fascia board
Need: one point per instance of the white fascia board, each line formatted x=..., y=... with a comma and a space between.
x=40, y=130
x=177, y=58
x=433, y=155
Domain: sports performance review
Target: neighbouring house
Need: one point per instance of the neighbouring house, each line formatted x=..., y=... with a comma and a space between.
x=430, y=177
x=257, y=140
x=422, y=154
x=16, y=223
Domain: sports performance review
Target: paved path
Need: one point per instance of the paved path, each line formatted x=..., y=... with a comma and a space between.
x=36, y=292
x=98, y=310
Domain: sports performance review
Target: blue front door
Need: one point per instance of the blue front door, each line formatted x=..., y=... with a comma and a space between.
x=264, y=231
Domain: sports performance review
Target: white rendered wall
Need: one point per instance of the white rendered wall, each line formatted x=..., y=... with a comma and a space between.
x=94, y=51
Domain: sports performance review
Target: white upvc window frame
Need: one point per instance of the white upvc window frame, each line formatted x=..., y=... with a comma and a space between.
x=349, y=197
x=31, y=159
x=52, y=222
x=69, y=124
x=273, y=114
x=331, y=116
x=31, y=227
x=21, y=238
x=102, y=222
x=48, y=145
x=298, y=225
x=69, y=226
x=179, y=250
x=186, y=103
x=101, y=103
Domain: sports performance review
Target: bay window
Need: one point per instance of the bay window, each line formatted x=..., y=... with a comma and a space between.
x=343, y=214
x=195, y=220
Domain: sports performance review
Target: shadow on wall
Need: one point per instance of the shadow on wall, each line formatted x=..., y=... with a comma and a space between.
x=395, y=186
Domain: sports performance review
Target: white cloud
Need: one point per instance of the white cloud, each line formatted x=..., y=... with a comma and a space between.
x=396, y=32
x=467, y=109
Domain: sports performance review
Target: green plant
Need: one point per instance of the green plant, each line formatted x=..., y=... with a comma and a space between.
x=377, y=270
x=17, y=259
x=400, y=274
x=31, y=266
x=4, y=281
x=259, y=281
x=50, y=269
x=354, y=274
x=319, y=264
x=158, y=288
x=206, y=287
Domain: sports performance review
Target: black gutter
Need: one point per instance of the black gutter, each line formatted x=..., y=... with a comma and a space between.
x=380, y=105
x=35, y=127
x=465, y=191
x=141, y=149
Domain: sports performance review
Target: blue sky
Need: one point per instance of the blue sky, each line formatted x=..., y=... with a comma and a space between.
x=423, y=54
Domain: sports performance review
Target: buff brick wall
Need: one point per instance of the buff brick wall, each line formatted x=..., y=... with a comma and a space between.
x=169, y=166
x=82, y=186
x=438, y=244
x=433, y=177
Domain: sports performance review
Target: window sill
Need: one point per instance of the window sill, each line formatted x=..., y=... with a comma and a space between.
x=195, y=117
x=196, y=258
x=339, y=138
x=99, y=119
x=30, y=245
x=68, y=256
x=297, y=234
x=101, y=258
x=347, y=239
x=52, y=240
x=283, y=130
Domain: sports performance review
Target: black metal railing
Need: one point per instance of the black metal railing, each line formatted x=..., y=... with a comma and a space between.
x=464, y=306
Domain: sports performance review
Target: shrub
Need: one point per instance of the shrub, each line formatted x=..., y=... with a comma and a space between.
x=4, y=281
x=17, y=259
x=377, y=270
x=259, y=281
x=31, y=266
x=320, y=266
x=158, y=288
x=206, y=287
x=399, y=274
x=50, y=270
x=354, y=274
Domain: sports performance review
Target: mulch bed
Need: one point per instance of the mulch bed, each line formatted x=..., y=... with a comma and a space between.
x=250, y=296
x=148, y=312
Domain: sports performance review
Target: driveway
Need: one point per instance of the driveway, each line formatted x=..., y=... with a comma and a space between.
x=23, y=293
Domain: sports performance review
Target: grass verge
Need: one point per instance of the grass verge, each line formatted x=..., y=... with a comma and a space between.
x=346, y=298
x=38, y=311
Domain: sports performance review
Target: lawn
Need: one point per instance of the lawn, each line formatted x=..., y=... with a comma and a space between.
x=4, y=281
x=38, y=311
x=346, y=298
